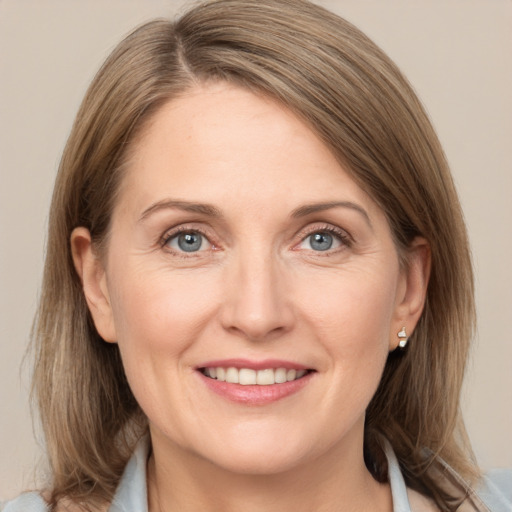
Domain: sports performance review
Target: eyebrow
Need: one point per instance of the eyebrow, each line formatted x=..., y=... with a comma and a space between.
x=188, y=206
x=212, y=211
x=309, y=209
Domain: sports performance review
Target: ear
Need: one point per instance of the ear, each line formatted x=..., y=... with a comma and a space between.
x=411, y=290
x=94, y=282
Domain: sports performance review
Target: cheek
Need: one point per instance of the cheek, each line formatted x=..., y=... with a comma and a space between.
x=158, y=319
x=350, y=315
x=356, y=307
x=159, y=312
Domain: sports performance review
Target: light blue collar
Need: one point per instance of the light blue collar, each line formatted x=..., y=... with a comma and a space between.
x=131, y=494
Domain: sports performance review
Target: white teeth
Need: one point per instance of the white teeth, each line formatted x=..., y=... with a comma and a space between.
x=247, y=376
x=265, y=377
x=221, y=374
x=232, y=375
x=280, y=375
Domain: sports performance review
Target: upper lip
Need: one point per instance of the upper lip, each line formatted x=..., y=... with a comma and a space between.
x=253, y=365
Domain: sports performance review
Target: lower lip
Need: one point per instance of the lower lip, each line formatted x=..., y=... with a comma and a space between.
x=253, y=394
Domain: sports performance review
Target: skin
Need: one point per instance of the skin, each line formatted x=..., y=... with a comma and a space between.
x=256, y=290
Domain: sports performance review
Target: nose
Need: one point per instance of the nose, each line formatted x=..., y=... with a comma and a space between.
x=256, y=304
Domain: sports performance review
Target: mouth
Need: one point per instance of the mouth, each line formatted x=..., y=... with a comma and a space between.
x=251, y=377
x=255, y=382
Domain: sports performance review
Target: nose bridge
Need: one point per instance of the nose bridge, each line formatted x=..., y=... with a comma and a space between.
x=256, y=303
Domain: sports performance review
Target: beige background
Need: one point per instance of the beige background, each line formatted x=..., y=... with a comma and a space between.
x=457, y=54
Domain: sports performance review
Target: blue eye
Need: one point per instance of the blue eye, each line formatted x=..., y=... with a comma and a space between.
x=321, y=241
x=189, y=241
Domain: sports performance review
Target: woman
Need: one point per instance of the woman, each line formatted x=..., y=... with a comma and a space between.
x=267, y=298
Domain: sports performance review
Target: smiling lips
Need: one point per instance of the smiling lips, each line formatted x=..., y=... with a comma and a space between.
x=254, y=383
x=248, y=376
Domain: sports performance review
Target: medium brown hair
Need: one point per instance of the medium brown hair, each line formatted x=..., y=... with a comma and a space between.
x=353, y=96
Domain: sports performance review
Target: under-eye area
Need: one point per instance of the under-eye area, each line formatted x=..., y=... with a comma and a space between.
x=248, y=376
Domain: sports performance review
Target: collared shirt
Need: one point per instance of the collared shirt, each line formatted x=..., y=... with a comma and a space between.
x=494, y=493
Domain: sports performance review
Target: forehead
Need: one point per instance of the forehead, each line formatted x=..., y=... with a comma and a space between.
x=222, y=144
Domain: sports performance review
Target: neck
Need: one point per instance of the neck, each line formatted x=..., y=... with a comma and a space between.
x=179, y=481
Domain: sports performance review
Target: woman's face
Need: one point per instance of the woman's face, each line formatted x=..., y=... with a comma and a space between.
x=241, y=250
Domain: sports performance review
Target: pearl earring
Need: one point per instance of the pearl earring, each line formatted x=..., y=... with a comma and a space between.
x=402, y=336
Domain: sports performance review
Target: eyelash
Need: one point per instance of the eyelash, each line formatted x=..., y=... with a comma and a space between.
x=338, y=233
x=173, y=233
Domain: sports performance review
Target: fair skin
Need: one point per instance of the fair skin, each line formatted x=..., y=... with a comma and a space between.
x=238, y=241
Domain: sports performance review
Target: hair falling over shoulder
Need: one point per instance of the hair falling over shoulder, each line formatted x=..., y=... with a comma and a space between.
x=353, y=96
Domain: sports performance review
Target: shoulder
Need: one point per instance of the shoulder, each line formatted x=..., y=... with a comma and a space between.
x=34, y=502
x=26, y=502
x=493, y=493
x=495, y=490
x=131, y=492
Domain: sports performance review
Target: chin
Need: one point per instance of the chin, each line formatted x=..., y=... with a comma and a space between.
x=263, y=463
x=262, y=454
